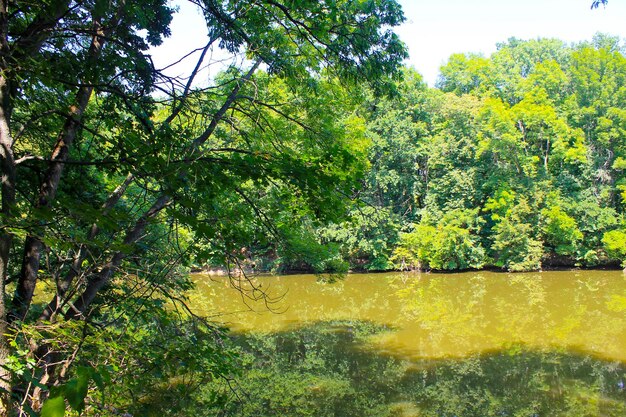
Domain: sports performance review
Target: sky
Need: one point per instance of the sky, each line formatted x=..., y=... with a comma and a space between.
x=435, y=29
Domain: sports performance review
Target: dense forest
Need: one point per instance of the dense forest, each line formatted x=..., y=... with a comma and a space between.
x=515, y=162
x=312, y=149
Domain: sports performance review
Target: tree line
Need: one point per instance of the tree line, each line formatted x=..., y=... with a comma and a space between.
x=514, y=162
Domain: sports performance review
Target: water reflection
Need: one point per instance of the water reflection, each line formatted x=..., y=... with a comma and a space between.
x=481, y=344
x=441, y=316
x=320, y=370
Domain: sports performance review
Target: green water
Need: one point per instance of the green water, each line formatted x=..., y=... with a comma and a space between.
x=470, y=344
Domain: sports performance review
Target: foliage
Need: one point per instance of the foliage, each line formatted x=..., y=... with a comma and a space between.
x=560, y=231
x=73, y=391
x=515, y=248
x=117, y=178
x=366, y=238
x=451, y=244
x=615, y=244
x=530, y=141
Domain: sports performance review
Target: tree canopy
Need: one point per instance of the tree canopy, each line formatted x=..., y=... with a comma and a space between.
x=115, y=176
x=514, y=162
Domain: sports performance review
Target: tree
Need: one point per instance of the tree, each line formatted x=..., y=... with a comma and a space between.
x=450, y=244
x=103, y=157
x=615, y=244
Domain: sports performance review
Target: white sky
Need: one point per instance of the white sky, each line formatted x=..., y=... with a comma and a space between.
x=435, y=29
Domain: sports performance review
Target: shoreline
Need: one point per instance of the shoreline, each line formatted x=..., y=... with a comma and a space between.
x=220, y=272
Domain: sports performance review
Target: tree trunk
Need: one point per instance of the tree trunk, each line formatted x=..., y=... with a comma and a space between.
x=7, y=177
x=33, y=244
x=79, y=307
x=63, y=286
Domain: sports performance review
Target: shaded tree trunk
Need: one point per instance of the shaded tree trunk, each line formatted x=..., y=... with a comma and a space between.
x=33, y=245
x=78, y=308
x=7, y=177
x=75, y=269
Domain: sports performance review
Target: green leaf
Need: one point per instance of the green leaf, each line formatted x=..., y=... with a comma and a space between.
x=76, y=389
x=99, y=381
x=53, y=407
x=100, y=8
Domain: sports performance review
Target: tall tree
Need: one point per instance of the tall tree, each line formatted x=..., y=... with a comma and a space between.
x=99, y=149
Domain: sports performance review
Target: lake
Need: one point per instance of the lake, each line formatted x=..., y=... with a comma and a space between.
x=479, y=343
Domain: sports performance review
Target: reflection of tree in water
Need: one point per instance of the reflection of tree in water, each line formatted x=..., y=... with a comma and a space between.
x=517, y=382
x=441, y=315
x=321, y=370
x=465, y=314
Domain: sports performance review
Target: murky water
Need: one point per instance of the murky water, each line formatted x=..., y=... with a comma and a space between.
x=439, y=315
x=470, y=344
